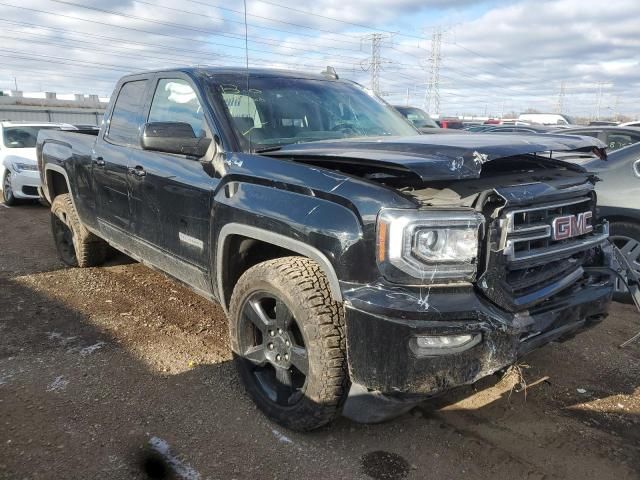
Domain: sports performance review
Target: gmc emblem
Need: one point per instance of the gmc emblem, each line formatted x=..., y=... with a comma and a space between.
x=571, y=225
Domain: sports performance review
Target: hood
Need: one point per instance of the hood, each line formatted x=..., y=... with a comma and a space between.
x=437, y=156
x=444, y=131
x=20, y=155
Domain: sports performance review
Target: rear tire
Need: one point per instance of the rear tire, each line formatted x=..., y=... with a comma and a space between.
x=626, y=236
x=77, y=247
x=7, y=190
x=287, y=335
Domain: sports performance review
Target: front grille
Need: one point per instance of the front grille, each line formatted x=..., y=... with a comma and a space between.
x=526, y=264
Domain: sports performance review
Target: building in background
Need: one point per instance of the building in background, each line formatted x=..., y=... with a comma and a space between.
x=51, y=107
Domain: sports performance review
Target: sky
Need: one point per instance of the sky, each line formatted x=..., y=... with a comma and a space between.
x=496, y=57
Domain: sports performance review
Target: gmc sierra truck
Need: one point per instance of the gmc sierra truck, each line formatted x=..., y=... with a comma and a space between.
x=356, y=259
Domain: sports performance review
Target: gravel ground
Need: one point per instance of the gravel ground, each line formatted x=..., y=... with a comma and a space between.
x=118, y=372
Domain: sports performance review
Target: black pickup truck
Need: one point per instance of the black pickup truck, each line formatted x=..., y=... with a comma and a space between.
x=355, y=258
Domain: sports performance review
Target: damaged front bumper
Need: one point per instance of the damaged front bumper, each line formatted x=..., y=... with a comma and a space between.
x=383, y=323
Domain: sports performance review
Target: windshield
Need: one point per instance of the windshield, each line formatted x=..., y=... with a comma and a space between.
x=419, y=118
x=23, y=137
x=277, y=111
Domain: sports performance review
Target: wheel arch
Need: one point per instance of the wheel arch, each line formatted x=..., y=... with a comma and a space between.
x=270, y=245
x=56, y=182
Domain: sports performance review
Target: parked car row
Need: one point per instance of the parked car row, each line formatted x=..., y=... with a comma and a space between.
x=19, y=178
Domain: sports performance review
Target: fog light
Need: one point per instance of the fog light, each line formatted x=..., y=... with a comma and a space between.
x=446, y=344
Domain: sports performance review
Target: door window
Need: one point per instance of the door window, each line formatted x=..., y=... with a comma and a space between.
x=127, y=114
x=176, y=101
x=616, y=140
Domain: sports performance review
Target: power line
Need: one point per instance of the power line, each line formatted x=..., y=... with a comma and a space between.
x=273, y=42
x=178, y=60
x=368, y=27
x=129, y=68
x=275, y=20
x=352, y=39
x=158, y=33
x=252, y=25
x=113, y=39
x=100, y=48
x=496, y=62
x=60, y=60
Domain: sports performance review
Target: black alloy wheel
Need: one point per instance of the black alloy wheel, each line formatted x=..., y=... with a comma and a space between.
x=64, y=241
x=273, y=349
x=287, y=336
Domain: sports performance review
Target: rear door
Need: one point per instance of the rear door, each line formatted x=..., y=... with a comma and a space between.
x=172, y=193
x=113, y=156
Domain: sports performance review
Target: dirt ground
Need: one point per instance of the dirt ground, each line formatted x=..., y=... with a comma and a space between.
x=118, y=372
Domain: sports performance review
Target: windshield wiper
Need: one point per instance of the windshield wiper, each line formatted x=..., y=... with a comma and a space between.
x=268, y=149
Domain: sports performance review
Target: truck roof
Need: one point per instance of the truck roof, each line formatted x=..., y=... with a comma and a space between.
x=11, y=123
x=255, y=72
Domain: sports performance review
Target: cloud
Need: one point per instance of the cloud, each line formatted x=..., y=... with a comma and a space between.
x=495, y=55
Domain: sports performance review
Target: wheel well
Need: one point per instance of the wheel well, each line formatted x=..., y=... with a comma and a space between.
x=56, y=184
x=240, y=254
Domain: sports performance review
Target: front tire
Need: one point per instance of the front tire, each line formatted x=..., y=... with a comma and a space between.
x=77, y=247
x=626, y=236
x=7, y=190
x=287, y=335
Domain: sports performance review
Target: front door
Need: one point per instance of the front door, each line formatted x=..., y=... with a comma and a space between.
x=172, y=194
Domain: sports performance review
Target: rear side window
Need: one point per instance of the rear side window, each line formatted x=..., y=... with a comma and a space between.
x=127, y=114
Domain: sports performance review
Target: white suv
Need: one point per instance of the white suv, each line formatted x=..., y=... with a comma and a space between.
x=19, y=177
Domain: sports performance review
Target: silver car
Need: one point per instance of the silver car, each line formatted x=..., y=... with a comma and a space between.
x=619, y=202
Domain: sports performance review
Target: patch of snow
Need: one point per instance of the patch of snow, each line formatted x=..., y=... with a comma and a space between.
x=58, y=336
x=91, y=348
x=281, y=436
x=181, y=469
x=58, y=384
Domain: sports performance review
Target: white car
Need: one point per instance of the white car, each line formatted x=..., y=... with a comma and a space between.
x=635, y=123
x=551, y=119
x=19, y=177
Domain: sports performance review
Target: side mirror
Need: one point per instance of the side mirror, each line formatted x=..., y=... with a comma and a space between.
x=173, y=137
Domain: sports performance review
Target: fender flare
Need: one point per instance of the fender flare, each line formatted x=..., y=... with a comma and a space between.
x=280, y=241
x=57, y=169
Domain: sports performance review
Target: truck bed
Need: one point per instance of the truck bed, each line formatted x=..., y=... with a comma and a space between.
x=58, y=147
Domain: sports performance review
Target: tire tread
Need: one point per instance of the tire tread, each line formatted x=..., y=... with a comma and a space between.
x=311, y=288
x=90, y=250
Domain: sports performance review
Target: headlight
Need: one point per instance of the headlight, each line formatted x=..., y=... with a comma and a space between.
x=433, y=246
x=636, y=168
x=18, y=167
